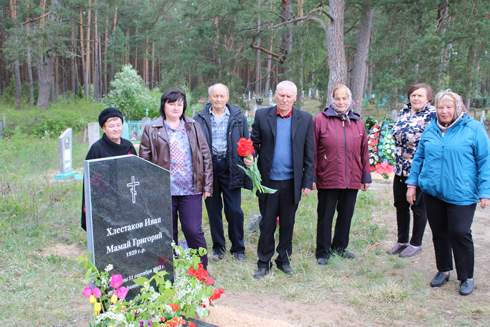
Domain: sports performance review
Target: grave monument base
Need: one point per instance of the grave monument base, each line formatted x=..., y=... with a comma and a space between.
x=65, y=175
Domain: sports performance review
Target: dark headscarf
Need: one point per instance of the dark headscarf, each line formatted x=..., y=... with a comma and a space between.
x=109, y=113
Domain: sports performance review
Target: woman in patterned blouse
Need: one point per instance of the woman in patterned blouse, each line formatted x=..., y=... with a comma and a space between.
x=407, y=132
x=177, y=143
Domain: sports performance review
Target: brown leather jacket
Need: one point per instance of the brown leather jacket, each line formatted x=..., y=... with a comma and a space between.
x=154, y=147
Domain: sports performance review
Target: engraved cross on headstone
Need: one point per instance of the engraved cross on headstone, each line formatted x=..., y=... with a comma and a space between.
x=133, y=185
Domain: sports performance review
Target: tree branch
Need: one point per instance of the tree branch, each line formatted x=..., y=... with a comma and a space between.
x=275, y=55
x=307, y=17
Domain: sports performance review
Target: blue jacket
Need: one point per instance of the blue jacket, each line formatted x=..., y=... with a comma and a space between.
x=454, y=168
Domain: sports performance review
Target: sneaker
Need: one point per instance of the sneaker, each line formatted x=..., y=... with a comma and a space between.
x=410, y=251
x=466, y=287
x=399, y=247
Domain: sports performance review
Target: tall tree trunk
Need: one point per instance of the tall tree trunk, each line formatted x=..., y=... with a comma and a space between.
x=287, y=37
x=362, y=52
x=269, y=59
x=96, y=45
x=269, y=67
x=46, y=74
x=72, y=63
x=257, y=64
x=46, y=79
x=29, y=63
x=106, y=41
x=300, y=63
x=87, y=51
x=82, y=49
x=16, y=63
x=18, y=84
x=135, y=66
x=55, y=85
x=146, y=66
x=126, y=60
x=441, y=19
x=152, y=84
x=335, y=46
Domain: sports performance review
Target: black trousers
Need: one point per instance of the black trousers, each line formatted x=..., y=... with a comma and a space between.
x=280, y=204
x=231, y=198
x=451, y=234
x=403, y=213
x=329, y=200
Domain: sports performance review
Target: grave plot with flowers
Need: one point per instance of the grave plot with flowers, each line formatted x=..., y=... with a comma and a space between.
x=159, y=302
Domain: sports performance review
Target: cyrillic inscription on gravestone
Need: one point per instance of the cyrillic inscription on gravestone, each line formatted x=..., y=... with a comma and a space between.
x=129, y=217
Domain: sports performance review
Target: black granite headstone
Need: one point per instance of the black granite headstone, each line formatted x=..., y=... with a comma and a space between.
x=129, y=217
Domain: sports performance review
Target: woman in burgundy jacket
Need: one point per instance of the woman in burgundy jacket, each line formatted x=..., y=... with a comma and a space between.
x=341, y=169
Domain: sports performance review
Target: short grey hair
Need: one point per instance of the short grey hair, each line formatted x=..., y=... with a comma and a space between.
x=287, y=83
x=211, y=88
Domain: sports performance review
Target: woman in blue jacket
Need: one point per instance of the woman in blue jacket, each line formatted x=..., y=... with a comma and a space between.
x=452, y=168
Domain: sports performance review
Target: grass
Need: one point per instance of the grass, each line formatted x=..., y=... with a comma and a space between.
x=44, y=289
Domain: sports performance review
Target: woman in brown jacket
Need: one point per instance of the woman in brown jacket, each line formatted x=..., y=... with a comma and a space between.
x=341, y=169
x=176, y=143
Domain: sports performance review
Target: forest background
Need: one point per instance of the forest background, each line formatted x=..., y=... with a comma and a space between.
x=74, y=48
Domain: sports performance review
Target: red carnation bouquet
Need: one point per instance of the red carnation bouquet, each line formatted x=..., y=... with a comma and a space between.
x=245, y=149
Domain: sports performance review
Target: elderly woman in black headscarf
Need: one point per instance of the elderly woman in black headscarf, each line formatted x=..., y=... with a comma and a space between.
x=110, y=145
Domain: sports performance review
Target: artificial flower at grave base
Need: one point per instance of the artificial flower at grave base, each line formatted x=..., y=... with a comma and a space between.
x=160, y=302
x=246, y=149
x=381, y=144
x=384, y=169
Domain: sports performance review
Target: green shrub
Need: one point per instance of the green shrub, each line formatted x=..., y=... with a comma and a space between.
x=129, y=94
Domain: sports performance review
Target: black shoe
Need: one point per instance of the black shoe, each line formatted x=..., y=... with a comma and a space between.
x=439, y=279
x=347, y=255
x=286, y=269
x=466, y=287
x=239, y=256
x=217, y=257
x=261, y=273
x=322, y=261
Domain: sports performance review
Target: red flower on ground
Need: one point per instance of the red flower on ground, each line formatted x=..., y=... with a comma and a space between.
x=191, y=324
x=216, y=294
x=245, y=147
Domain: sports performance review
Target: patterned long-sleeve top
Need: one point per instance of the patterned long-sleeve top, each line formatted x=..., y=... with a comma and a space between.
x=407, y=133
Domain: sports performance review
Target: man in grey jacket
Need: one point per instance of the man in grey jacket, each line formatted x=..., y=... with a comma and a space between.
x=223, y=125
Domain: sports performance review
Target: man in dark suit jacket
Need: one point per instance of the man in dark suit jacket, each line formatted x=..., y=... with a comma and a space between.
x=283, y=141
